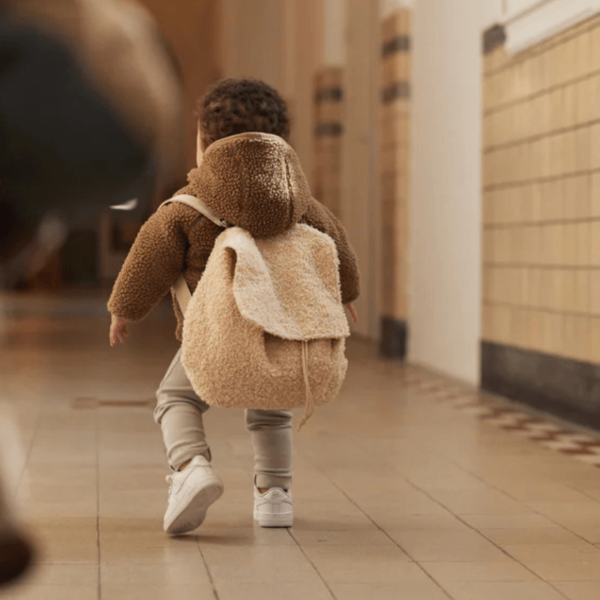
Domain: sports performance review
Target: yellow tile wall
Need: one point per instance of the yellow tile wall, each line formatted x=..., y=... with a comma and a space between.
x=395, y=163
x=541, y=196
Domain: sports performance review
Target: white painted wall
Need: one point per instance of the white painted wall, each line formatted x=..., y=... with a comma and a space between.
x=491, y=13
x=445, y=322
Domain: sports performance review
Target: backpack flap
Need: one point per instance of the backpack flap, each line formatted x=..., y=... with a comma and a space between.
x=289, y=285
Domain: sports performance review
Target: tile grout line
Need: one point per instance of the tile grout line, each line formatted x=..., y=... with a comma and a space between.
x=351, y=500
x=538, y=137
x=432, y=389
x=207, y=568
x=520, y=183
x=460, y=518
x=495, y=487
x=312, y=564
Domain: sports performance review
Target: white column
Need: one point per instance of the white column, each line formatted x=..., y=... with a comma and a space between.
x=446, y=200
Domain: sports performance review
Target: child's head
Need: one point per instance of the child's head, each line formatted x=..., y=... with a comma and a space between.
x=233, y=106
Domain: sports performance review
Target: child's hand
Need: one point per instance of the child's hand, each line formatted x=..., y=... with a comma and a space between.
x=118, y=330
x=350, y=308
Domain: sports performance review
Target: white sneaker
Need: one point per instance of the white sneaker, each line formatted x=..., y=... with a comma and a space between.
x=274, y=508
x=192, y=491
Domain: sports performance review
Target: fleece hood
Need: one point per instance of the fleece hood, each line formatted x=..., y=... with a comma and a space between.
x=253, y=181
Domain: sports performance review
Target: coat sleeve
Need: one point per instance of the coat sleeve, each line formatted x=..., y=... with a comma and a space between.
x=153, y=265
x=320, y=217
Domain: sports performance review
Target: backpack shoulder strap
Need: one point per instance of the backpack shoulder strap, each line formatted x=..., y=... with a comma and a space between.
x=200, y=206
x=181, y=289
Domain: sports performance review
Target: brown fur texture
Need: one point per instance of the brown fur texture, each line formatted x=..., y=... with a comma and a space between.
x=252, y=180
x=257, y=302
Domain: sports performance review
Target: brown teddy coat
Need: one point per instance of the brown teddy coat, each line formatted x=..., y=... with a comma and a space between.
x=253, y=181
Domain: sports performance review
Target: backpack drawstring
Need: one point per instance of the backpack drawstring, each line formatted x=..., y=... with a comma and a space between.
x=309, y=408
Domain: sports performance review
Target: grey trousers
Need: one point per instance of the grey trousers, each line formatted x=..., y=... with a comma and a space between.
x=179, y=413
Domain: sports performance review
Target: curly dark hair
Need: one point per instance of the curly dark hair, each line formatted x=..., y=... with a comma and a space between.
x=233, y=106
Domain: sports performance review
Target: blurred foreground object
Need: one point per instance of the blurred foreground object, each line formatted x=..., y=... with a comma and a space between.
x=90, y=110
x=90, y=114
x=16, y=552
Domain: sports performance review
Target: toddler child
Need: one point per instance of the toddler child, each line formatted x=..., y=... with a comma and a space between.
x=242, y=122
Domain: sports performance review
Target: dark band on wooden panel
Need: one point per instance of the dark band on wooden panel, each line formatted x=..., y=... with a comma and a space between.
x=397, y=91
x=493, y=38
x=332, y=129
x=329, y=94
x=400, y=43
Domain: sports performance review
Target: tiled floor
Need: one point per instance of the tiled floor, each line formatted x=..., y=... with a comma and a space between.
x=406, y=488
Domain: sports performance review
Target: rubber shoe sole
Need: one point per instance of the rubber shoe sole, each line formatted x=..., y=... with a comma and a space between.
x=194, y=512
x=280, y=520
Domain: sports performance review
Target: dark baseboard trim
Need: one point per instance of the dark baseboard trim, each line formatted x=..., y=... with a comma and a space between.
x=493, y=37
x=569, y=389
x=394, y=338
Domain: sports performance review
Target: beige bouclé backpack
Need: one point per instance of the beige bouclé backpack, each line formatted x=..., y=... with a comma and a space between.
x=265, y=327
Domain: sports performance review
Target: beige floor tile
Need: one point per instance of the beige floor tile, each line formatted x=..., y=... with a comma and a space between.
x=249, y=536
x=313, y=590
x=453, y=552
x=530, y=553
x=258, y=564
x=225, y=515
x=422, y=476
x=587, y=529
x=330, y=516
x=363, y=564
x=63, y=575
x=73, y=548
x=152, y=592
x=159, y=574
x=439, y=536
x=389, y=516
x=505, y=570
x=132, y=503
x=533, y=535
x=53, y=592
x=485, y=502
x=579, y=590
x=503, y=591
x=585, y=568
x=423, y=590
x=367, y=537
x=62, y=556
x=427, y=523
x=527, y=521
